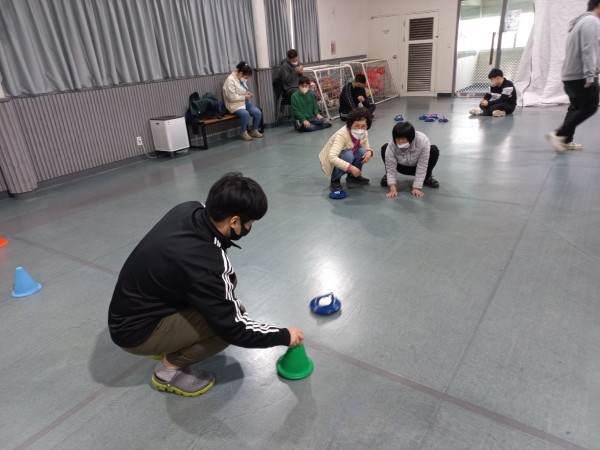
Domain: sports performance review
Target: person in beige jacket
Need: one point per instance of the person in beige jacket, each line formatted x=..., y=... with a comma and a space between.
x=347, y=150
x=236, y=97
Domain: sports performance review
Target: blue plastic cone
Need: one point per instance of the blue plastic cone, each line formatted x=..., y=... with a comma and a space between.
x=24, y=284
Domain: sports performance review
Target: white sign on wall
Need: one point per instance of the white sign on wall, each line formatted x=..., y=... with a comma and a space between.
x=511, y=22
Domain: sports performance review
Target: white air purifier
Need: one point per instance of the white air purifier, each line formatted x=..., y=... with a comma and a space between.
x=169, y=133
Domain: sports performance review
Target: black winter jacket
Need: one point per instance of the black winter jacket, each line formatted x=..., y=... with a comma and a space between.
x=181, y=263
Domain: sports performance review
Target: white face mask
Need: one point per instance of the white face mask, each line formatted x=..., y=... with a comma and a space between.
x=359, y=134
x=406, y=145
x=304, y=90
x=294, y=64
x=244, y=80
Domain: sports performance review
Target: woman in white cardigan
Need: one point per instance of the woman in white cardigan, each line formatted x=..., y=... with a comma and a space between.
x=236, y=97
x=347, y=150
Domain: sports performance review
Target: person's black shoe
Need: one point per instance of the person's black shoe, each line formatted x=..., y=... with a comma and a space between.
x=431, y=182
x=384, y=181
x=357, y=180
x=327, y=124
x=297, y=125
x=335, y=186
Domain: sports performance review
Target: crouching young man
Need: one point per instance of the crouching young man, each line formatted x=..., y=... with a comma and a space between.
x=175, y=295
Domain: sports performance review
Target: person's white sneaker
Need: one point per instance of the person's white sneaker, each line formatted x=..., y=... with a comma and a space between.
x=574, y=147
x=558, y=142
x=245, y=136
x=475, y=112
x=498, y=113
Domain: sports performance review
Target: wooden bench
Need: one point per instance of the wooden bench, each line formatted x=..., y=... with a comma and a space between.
x=203, y=124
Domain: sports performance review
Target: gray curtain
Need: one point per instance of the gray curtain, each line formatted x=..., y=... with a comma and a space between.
x=278, y=30
x=306, y=29
x=48, y=45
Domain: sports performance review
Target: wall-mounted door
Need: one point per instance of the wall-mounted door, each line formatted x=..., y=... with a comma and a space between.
x=384, y=42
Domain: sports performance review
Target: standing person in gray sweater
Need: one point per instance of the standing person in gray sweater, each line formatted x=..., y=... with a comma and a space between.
x=410, y=153
x=580, y=76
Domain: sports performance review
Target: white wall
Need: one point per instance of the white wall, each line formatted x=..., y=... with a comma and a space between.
x=360, y=13
x=347, y=23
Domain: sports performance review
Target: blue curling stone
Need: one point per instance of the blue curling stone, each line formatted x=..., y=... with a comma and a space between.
x=423, y=117
x=325, y=304
x=443, y=119
x=399, y=118
x=337, y=195
x=430, y=119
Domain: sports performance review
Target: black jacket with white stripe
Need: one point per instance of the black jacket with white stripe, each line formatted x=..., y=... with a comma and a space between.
x=505, y=93
x=181, y=263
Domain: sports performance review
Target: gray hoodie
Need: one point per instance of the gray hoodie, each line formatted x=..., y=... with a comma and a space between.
x=582, y=58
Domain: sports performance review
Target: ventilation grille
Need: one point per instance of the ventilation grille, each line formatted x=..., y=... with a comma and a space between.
x=420, y=29
x=419, y=67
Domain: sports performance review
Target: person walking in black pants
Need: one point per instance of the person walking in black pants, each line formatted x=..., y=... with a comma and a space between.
x=410, y=153
x=580, y=76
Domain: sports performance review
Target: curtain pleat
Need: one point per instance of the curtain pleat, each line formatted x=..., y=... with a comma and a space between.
x=48, y=45
x=278, y=30
x=306, y=29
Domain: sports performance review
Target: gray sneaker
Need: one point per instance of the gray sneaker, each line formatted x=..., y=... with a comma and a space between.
x=187, y=382
x=558, y=142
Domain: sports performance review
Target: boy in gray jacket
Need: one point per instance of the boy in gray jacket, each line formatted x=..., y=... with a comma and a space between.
x=410, y=153
x=580, y=76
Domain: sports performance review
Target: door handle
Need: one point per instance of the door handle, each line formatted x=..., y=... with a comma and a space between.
x=395, y=56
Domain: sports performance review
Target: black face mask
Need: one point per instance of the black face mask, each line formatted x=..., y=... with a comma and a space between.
x=235, y=237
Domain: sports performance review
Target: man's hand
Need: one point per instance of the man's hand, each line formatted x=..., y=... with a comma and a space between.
x=355, y=171
x=361, y=98
x=417, y=192
x=306, y=123
x=319, y=116
x=296, y=336
x=393, y=192
x=484, y=103
x=249, y=95
x=299, y=68
x=367, y=156
x=587, y=85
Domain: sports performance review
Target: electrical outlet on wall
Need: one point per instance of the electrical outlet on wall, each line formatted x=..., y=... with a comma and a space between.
x=139, y=140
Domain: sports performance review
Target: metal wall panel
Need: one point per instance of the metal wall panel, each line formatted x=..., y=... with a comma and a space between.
x=16, y=165
x=74, y=131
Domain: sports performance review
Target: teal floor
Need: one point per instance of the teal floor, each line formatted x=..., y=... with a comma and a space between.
x=470, y=317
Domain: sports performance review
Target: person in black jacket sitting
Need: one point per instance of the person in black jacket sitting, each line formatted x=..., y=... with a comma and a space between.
x=175, y=296
x=501, y=100
x=354, y=96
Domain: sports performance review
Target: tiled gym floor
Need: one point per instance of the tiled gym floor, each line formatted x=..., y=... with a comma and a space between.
x=470, y=318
